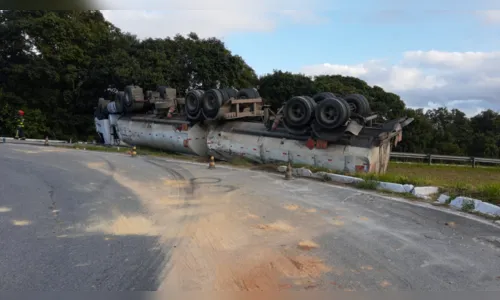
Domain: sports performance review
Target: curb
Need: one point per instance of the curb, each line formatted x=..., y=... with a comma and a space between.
x=423, y=192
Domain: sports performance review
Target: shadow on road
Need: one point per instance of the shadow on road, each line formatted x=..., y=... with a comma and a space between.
x=54, y=234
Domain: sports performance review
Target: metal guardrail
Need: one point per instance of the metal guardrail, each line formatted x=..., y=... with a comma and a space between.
x=9, y=139
x=430, y=157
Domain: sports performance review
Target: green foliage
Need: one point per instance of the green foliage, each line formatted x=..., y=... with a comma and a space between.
x=367, y=185
x=280, y=86
x=468, y=206
x=55, y=64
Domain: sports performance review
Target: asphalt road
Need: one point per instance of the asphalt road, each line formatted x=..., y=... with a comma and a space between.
x=74, y=220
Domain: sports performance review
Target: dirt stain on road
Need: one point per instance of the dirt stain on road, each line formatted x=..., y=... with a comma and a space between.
x=214, y=248
x=126, y=225
x=291, y=207
x=96, y=165
x=251, y=216
x=385, y=284
x=4, y=209
x=307, y=245
x=269, y=268
x=451, y=224
x=21, y=222
x=177, y=183
x=276, y=226
x=338, y=223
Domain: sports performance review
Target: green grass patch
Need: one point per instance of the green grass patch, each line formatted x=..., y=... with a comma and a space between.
x=481, y=183
x=367, y=185
x=468, y=206
x=242, y=161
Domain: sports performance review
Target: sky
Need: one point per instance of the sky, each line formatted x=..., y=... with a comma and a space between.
x=432, y=55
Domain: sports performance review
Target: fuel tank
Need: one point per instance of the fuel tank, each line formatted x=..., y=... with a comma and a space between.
x=232, y=140
x=165, y=136
x=251, y=141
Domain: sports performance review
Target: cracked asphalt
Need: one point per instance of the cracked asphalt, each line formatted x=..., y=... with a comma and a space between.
x=74, y=220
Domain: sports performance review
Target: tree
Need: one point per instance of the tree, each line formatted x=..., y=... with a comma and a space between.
x=57, y=63
x=280, y=86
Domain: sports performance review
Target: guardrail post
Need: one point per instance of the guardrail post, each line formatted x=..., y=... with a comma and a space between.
x=430, y=159
x=473, y=159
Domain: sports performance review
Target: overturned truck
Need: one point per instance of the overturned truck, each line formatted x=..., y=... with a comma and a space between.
x=326, y=130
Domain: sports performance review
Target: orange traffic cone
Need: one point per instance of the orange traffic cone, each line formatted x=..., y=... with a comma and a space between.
x=211, y=164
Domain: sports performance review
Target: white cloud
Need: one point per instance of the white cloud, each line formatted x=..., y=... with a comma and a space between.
x=207, y=17
x=490, y=16
x=469, y=81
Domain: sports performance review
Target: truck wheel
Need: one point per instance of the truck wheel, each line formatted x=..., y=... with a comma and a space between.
x=193, y=102
x=358, y=104
x=231, y=92
x=298, y=111
x=311, y=100
x=225, y=95
x=212, y=101
x=128, y=96
x=322, y=96
x=161, y=89
x=347, y=108
x=250, y=93
x=120, y=98
x=331, y=113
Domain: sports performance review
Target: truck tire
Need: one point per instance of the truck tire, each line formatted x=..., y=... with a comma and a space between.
x=249, y=93
x=322, y=96
x=331, y=113
x=298, y=111
x=358, y=104
x=134, y=95
x=161, y=90
x=212, y=102
x=347, y=107
x=120, y=98
x=225, y=95
x=149, y=95
x=231, y=92
x=128, y=100
x=311, y=100
x=193, y=105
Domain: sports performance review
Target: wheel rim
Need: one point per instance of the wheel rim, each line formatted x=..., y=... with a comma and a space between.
x=297, y=112
x=192, y=103
x=210, y=102
x=353, y=107
x=330, y=114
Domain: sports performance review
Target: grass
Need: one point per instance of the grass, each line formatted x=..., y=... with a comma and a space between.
x=367, y=185
x=481, y=182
